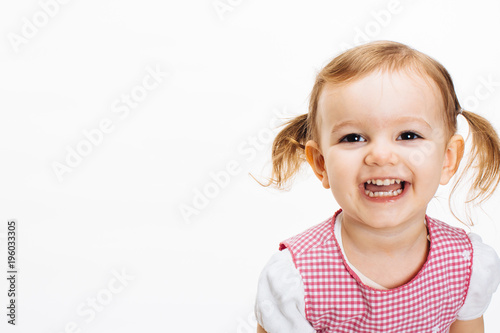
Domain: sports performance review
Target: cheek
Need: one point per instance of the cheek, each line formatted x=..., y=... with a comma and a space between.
x=343, y=167
x=425, y=155
x=427, y=164
x=429, y=178
x=419, y=156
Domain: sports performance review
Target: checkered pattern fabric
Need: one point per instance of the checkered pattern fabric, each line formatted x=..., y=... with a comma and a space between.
x=337, y=301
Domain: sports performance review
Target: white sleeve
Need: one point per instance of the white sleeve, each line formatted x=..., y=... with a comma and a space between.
x=280, y=305
x=484, y=279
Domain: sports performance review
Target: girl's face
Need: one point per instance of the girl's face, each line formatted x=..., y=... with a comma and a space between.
x=383, y=148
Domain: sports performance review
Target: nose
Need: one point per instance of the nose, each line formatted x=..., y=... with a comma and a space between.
x=381, y=153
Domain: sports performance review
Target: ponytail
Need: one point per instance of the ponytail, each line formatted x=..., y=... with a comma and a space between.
x=288, y=151
x=484, y=158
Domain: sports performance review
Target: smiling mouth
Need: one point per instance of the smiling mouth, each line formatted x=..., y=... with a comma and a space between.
x=375, y=188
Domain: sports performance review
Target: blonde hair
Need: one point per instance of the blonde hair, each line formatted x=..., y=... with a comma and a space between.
x=288, y=146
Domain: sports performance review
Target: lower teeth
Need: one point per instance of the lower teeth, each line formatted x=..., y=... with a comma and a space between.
x=383, y=194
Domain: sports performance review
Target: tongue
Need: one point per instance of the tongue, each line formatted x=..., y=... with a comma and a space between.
x=382, y=188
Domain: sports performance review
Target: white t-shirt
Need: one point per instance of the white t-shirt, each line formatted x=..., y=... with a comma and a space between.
x=280, y=305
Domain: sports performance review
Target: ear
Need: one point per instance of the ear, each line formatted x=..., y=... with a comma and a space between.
x=452, y=157
x=317, y=162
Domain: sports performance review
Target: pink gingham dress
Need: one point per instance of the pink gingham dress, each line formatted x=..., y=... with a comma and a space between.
x=337, y=301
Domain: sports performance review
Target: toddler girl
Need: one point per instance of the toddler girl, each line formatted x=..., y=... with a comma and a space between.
x=381, y=134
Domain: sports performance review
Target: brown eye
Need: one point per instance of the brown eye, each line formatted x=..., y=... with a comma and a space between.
x=353, y=138
x=409, y=136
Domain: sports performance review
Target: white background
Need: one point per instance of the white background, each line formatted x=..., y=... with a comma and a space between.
x=227, y=78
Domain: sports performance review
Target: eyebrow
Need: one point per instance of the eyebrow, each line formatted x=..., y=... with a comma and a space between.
x=396, y=121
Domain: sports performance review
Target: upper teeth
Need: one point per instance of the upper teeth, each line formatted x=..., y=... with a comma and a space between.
x=384, y=181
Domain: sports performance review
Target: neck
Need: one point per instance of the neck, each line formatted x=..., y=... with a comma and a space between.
x=393, y=241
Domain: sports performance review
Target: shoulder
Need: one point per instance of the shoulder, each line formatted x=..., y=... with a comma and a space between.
x=484, y=281
x=449, y=237
x=279, y=305
x=310, y=238
x=485, y=264
x=446, y=229
x=279, y=274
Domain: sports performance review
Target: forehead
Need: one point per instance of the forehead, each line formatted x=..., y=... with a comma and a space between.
x=380, y=98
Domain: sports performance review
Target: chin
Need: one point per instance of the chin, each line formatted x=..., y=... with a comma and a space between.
x=382, y=219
